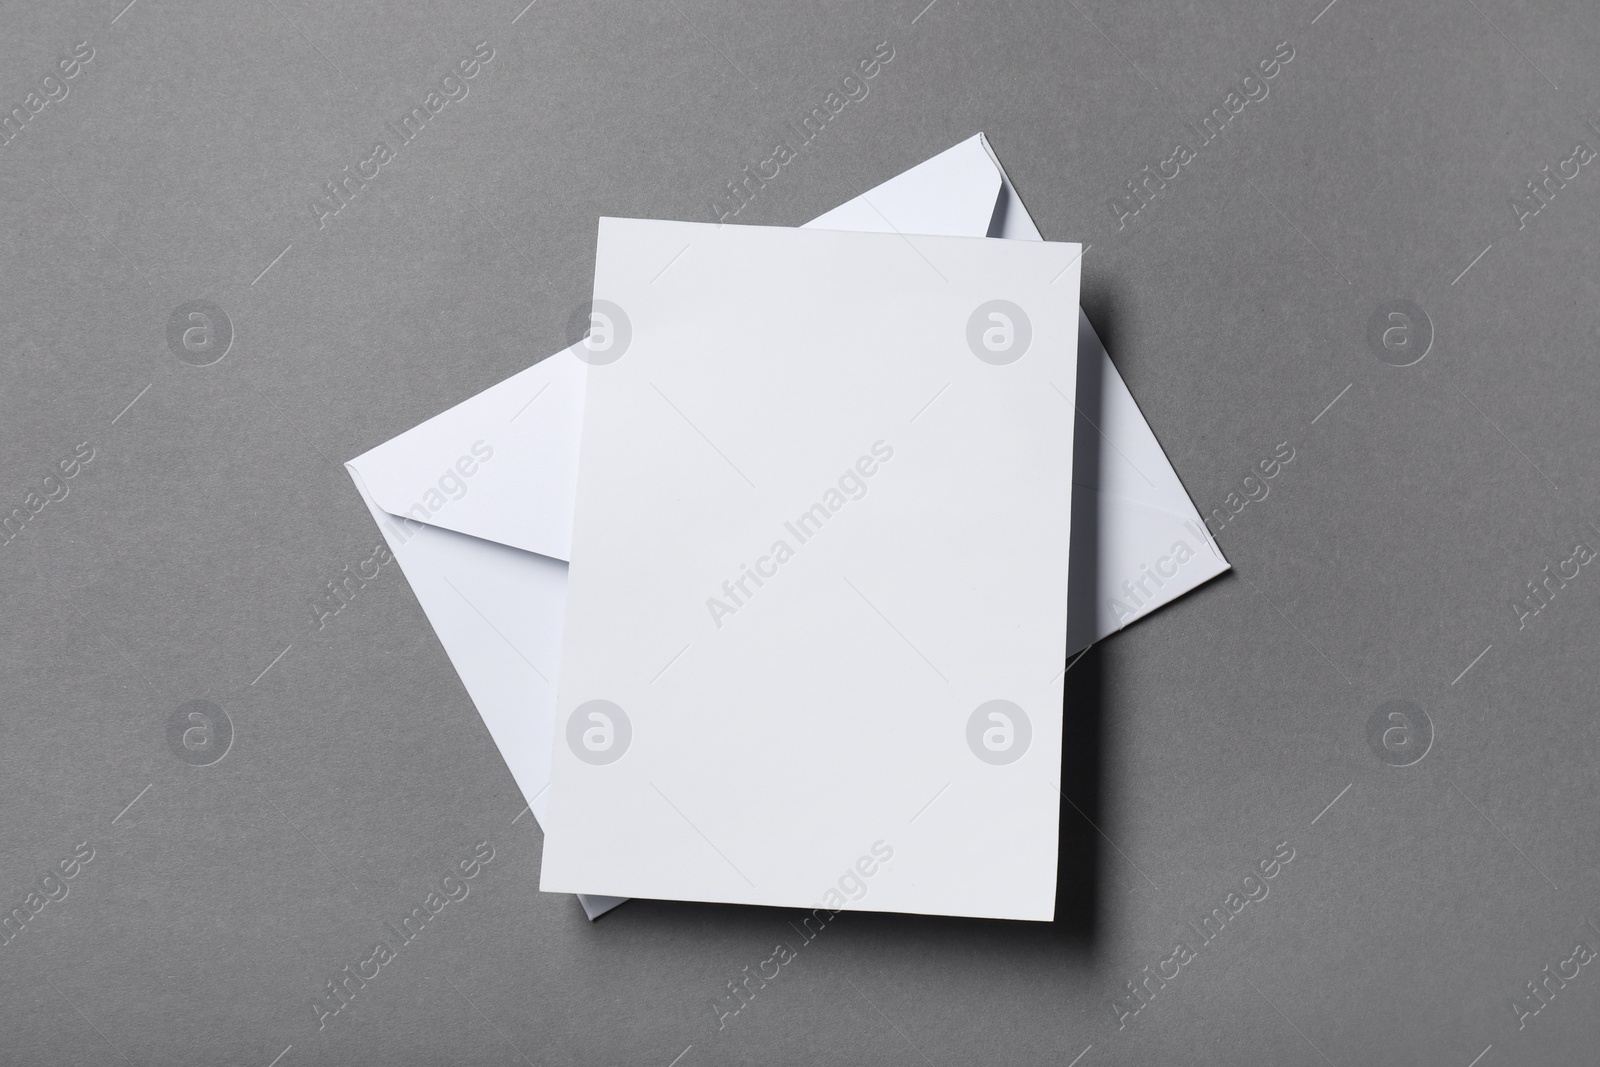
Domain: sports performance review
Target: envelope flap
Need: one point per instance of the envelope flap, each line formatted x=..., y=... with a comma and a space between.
x=953, y=194
x=501, y=466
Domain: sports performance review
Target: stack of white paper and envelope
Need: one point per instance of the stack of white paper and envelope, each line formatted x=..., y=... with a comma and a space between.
x=766, y=589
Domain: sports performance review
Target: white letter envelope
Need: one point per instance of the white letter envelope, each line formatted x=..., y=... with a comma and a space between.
x=489, y=569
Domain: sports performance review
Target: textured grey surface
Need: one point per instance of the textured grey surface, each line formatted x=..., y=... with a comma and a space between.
x=184, y=561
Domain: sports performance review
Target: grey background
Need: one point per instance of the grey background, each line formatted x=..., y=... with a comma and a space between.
x=183, y=563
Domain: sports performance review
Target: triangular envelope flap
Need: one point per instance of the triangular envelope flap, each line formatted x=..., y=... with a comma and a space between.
x=1137, y=541
x=498, y=614
x=1131, y=463
x=501, y=465
x=952, y=194
x=1011, y=220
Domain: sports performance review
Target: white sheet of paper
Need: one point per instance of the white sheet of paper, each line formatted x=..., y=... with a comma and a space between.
x=498, y=612
x=822, y=525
